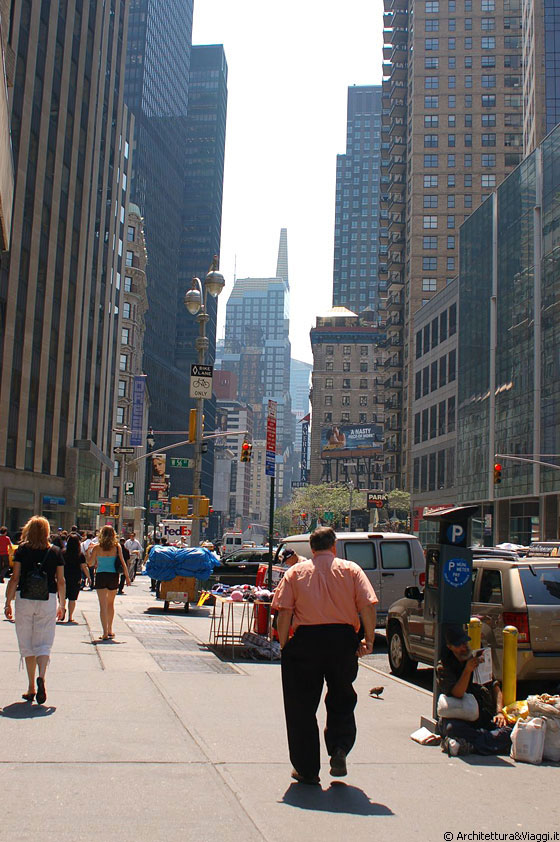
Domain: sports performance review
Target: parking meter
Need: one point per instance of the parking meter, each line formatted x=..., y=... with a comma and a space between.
x=448, y=591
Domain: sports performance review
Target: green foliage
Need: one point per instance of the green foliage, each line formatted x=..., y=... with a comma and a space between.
x=399, y=501
x=314, y=501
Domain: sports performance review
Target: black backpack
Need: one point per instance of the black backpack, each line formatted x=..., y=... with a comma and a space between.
x=35, y=582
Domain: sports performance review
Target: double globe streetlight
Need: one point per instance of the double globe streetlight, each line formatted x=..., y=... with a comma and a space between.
x=195, y=302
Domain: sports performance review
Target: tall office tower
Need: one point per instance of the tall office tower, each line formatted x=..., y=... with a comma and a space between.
x=356, y=244
x=541, y=70
x=129, y=476
x=156, y=90
x=257, y=349
x=60, y=300
x=452, y=130
x=202, y=215
x=7, y=165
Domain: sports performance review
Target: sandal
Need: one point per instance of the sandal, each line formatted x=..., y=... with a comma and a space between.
x=28, y=696
x=111, y=635
x=41, y=692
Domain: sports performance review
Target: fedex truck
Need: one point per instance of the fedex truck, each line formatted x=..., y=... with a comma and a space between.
x=177, y=532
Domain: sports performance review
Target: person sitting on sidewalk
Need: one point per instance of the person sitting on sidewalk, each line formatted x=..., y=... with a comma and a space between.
x=489, y=734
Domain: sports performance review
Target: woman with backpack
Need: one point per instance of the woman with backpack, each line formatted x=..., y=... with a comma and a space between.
x=74, y=567
x=107, y=558
x=37, y=577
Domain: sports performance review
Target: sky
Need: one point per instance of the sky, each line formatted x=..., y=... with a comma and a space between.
x=290, y=63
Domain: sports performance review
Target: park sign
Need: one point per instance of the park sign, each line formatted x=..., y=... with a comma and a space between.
x=376, y=500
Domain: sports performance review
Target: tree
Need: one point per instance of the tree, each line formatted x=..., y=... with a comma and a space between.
x=399, y=502
x=309, y=504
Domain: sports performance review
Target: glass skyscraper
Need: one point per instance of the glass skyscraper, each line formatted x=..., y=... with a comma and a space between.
x=156, y=90
x=356, y=246
x=202, y=213
x=257, y=348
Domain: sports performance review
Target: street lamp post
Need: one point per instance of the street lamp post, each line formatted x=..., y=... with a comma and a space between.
x=150, y=441
x=195, y=302
x=350, y=489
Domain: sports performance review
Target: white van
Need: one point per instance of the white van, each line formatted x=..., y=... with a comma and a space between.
x=231, y=541
x=392, y=561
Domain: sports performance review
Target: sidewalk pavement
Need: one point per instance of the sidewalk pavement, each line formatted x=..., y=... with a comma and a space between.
x=153, y=737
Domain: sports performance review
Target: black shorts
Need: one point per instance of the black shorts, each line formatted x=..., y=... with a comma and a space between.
x=73, y=588
x=106, y=580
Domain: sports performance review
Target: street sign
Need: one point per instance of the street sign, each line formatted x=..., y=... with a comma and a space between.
x=124, y=450
x=299, y=483
x=201, y=381
x=376, y=500
x=270, y=464
x=328, y=516
x=180, y=462
x=129, y=488
x=156, y=506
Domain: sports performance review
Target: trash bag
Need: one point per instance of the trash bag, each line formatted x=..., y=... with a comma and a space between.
x=548, y=707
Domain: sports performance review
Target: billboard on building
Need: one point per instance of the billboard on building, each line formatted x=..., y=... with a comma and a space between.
x=351, y=437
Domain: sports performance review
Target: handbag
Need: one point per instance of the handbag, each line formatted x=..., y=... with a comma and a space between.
x=35, y=583
x=466, y=708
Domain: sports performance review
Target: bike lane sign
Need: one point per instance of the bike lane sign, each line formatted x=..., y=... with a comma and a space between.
x=201, y=381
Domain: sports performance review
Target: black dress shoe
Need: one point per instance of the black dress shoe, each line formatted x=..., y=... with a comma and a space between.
x=338, y=764
x=302, y=779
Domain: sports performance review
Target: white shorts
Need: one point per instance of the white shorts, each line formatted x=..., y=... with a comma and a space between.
x=35, y=625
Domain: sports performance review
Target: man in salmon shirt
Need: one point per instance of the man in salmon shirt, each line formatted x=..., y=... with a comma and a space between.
x=323, y=599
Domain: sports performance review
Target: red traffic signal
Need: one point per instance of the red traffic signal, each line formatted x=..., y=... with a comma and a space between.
x=104, y=509
x=497, y=473
x=246, y=450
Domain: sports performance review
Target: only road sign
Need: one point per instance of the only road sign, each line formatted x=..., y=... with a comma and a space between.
x=124, y=450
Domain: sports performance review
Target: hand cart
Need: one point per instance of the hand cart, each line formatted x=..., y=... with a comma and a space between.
x=181, y=589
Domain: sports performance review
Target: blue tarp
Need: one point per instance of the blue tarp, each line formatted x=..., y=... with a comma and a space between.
x=164, y=563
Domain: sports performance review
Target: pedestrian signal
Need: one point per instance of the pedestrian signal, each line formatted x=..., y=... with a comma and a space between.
x=497, y=473
x=246, y=450
x=114, y=509
x=192, y=425
x=104, y=509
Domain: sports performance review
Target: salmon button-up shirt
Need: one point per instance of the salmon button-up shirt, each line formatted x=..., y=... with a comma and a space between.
x=324, y=590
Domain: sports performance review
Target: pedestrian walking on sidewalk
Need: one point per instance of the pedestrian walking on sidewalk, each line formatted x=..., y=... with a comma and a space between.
x=37, y=577
x=126, y=557
x=106, y=557
x=5, y=547
x=323, y=599
x=74, y=567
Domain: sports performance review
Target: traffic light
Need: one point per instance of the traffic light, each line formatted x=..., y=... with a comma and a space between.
x=114, y=509
x=246, y=450
x=192, y=425
x=497, y=473
x=104, y=509
x=202, y=505
x=303, y=515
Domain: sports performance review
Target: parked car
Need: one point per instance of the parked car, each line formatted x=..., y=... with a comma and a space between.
x=240, y=567
x=524, y=593
x=392, y=561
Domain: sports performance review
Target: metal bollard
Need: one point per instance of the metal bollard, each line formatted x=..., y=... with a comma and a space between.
x=509, y=668
x=475, y=632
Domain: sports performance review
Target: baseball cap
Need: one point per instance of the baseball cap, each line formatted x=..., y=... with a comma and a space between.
x=456, y=635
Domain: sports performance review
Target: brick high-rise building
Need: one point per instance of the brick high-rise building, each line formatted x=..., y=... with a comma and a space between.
x=452, y=130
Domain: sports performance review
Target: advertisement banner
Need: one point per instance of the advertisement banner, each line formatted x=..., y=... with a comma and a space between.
x=158, y=471
x=351, y=437
x=138, y=388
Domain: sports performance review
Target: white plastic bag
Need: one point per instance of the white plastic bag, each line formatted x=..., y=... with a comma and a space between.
x=450, y=707
x=527, y=740
x=551, y=749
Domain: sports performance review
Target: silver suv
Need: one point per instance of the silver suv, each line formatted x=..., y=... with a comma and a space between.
x=524, y=593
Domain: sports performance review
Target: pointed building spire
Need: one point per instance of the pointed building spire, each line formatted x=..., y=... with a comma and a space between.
x=282, y=264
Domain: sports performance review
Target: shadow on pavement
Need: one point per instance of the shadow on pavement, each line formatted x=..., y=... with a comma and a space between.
x=338, y=798
x=25, y=710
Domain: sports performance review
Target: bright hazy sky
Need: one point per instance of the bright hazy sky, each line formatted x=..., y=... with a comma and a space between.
x=290, y=64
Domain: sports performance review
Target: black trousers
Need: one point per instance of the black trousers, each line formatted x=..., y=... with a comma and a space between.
x=314, y=655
